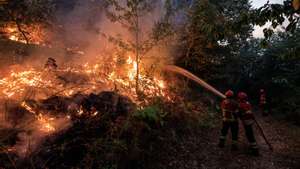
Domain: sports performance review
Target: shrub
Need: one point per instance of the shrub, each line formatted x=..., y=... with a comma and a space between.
x=152, y=115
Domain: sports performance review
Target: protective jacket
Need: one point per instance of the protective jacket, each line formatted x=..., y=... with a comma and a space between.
x=229, y=109
x=245, y=112
x=262, y=99
x=247, y=117
x=51, y=64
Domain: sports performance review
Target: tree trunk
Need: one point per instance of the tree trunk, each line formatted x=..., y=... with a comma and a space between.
x=18, y=26
x=137, y=57
x=22, y=32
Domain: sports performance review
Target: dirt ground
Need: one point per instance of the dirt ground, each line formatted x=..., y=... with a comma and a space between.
x=198, y=149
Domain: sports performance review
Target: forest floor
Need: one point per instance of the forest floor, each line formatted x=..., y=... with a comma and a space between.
x=198, y=149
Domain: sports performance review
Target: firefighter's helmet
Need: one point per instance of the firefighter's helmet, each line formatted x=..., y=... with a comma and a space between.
x=242, y=96
x=229, y=94
x=51, y=59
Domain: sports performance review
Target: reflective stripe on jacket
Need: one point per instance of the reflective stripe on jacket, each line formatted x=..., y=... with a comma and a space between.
x=245, y=112
x=229, y=109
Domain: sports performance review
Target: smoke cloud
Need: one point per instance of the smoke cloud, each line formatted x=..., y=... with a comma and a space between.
x=77, y=39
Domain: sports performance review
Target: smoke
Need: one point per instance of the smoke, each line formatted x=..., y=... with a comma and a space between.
x=79, y=29
x=76, y=39
x=34, y=133
x=31, y=129
x=84, y=23
x=77, y=34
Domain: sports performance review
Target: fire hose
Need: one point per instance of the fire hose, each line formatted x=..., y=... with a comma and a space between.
x=213, y=90
x=263, y=134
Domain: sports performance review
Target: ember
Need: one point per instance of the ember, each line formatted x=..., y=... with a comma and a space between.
x=88, y=78
x=45, y=122
x=68, y=92
x=35, y=34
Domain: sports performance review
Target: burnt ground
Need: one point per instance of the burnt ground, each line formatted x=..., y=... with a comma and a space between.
x=181, y=143
x=186, y=141
x=198, y=149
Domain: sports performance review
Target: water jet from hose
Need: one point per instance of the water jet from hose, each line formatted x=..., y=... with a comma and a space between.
x=191, y=76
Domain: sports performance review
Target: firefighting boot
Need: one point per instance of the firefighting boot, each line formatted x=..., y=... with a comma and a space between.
x=234, y=147
x=254, y=150
x=221, y=143
x=265, y=113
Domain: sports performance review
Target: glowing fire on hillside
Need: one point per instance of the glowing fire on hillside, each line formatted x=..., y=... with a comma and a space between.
x=45, y=122
x=43, y=83
x=34, y=34
x=31, y=83
x=87, y=79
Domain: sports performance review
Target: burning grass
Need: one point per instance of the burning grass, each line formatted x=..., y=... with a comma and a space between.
x=54, y=103
x=32, y=34
x=118, y=73
x=51, y=99
x=88, y=78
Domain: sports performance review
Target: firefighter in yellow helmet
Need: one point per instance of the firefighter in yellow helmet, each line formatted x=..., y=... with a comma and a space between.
x=230, y=120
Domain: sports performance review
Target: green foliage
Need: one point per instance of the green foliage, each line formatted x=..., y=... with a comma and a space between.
x=219, y=47
x=129, y=14
x=275, y=68
x=209, y=119
x=27, y=11
x=152, y=115
x=215, y=33
x=109, y=167
x=282, y=71
x=277, y=14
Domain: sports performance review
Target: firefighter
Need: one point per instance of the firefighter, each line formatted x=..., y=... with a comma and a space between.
x=51, y=64
x=230, y=120
x=263, y=102
x=247, y=118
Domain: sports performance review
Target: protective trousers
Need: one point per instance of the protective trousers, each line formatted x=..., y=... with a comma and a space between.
x=251, y=138
x=234, y=127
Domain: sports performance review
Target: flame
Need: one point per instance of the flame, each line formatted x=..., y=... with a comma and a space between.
x=95, y=113
x=35, y=33
x=16, y=84
x=133, y=69
x=44, y=121
x=80, y=111
x=27, y=107
x=19, y=84
x=34, y=83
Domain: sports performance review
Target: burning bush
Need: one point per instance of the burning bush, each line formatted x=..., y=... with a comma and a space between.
x=88, y=78
x=32, y=34
x=51, y=120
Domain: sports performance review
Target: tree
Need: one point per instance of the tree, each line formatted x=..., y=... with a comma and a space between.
x=277, y=15
x=215, y=32
x=129, y=13
x=277, y=69
x=26, y=12
x=281, y=72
